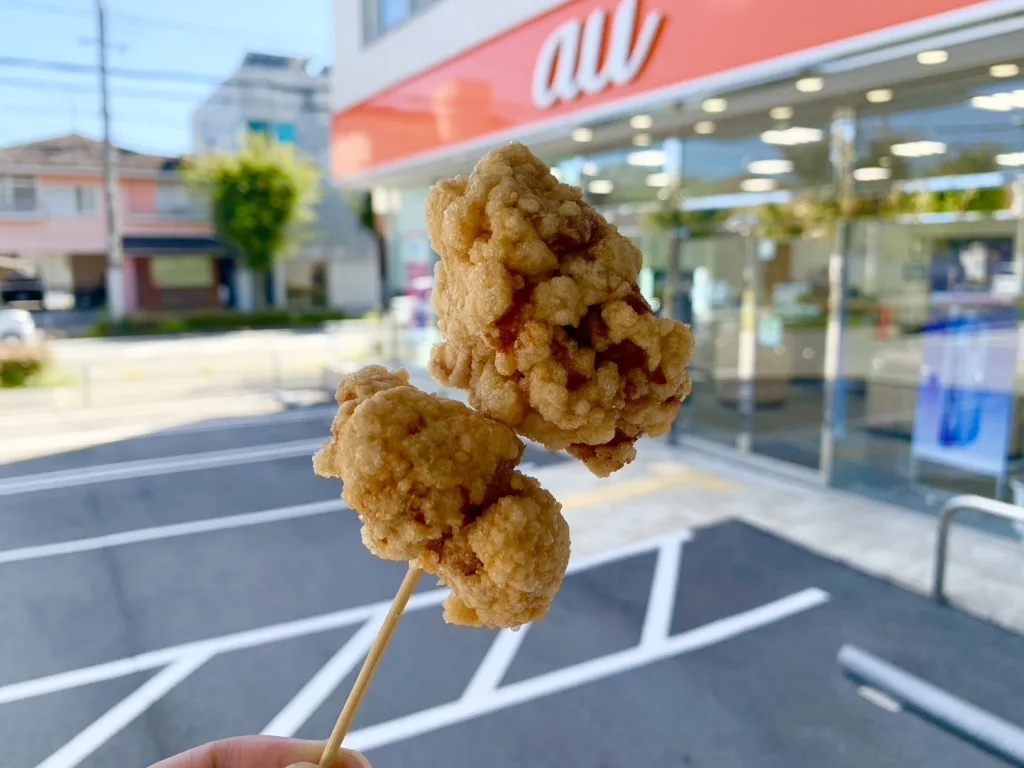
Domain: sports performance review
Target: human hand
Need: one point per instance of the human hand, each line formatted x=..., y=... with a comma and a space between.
x=261, y=752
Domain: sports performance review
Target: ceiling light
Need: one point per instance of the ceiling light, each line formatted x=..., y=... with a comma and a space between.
x=641, y=122
x=791, y=136
x=871, y=174
x=1000, y=102
x=1015, y=159
x=704, y=127
x=918, y=148
x=582, y=134
x=770, y=167
x=590, y=168
x=601, y=186
x=714, y=105
x=757, y=185
x=1004, y=70
x=810, y=84
x=781, y=113
x=642, y=140
x=879, y=96
x=658, y=180
x=651, y=158
x=932, y=57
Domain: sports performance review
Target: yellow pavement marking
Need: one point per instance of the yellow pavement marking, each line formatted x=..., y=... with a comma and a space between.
x=669, y=475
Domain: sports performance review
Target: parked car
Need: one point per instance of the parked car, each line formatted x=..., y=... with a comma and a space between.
x=17, y=327
x=20, y=287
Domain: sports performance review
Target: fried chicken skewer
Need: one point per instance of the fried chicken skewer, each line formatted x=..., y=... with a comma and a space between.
x=545, y=327
x=435, y=484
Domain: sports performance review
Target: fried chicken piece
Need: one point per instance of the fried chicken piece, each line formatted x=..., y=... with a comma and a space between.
x=543, y=322
x=434, y=483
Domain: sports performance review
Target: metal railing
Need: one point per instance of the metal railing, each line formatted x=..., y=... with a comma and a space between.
x=950, y=510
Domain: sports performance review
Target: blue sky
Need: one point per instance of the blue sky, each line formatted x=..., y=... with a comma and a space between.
x=199, y=38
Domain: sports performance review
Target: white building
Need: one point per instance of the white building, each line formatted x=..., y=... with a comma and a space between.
x=269, y=94
x=739, y=127
x=281, y=97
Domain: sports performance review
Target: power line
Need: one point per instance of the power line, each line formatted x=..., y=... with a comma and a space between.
x=150, y=75
x=92, y=69
x=147, y=94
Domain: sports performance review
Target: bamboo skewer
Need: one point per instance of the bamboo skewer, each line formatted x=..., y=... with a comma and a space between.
x=355, y=696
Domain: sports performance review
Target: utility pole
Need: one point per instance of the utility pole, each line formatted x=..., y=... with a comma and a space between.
x=115, y=256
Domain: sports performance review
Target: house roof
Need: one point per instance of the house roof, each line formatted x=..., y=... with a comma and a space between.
x=77, y=151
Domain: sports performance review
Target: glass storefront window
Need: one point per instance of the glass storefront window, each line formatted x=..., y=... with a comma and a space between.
x=932, y=373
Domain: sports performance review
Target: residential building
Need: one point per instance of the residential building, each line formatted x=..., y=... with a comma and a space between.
x=279, y=96
x=833, y=198
x=275, y=95
x=52, y=224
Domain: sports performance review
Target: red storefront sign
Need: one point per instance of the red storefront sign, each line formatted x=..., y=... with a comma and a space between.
x=592, y=52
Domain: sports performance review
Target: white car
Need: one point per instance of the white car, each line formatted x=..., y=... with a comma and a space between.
x=17, y=327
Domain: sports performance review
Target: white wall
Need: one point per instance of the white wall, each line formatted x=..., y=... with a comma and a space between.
x=293, y=97
x=352, y=285
x=439, y=32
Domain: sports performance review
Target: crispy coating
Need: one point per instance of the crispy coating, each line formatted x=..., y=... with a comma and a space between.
x=543, y=322
x=434, y=483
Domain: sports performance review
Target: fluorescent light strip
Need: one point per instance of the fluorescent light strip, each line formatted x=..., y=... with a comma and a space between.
x=648, y=158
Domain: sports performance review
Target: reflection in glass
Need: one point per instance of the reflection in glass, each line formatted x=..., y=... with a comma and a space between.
x=934, y=382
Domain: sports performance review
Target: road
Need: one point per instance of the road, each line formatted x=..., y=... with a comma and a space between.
x=200, y=582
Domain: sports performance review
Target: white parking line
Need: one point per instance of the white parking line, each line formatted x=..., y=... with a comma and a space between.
x=274, y=633
x=495, y=664
x=168, y=465
x=484, y=695
x=175, y=530
x=314, y=693
x=661, y=603
x=464, y=709
x=100, y=731
x=250, y=638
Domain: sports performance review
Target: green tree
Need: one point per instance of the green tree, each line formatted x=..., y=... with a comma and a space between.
x=261, y=200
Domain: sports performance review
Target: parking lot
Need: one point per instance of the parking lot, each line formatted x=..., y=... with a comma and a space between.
x=199, y=583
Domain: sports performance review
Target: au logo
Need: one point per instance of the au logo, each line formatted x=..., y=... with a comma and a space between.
x=569, y=62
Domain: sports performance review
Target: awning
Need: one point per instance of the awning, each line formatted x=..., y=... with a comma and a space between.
x=154, y=245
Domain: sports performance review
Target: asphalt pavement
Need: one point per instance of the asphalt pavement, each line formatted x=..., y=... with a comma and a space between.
x=199, y=583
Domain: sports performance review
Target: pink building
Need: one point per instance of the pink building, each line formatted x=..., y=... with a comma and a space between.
x=52, y=224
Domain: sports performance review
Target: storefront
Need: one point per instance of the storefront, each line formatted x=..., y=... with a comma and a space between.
x=177, y=274
x=832, y=199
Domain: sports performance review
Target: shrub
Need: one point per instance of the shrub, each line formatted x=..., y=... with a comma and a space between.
x=162, y=325
x=18, y=365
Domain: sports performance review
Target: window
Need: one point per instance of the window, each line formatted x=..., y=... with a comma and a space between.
x=18, y=194
x=284, y=133
x=175, y=200
x=393, y=13
x=85, y=200
x=381, y=16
